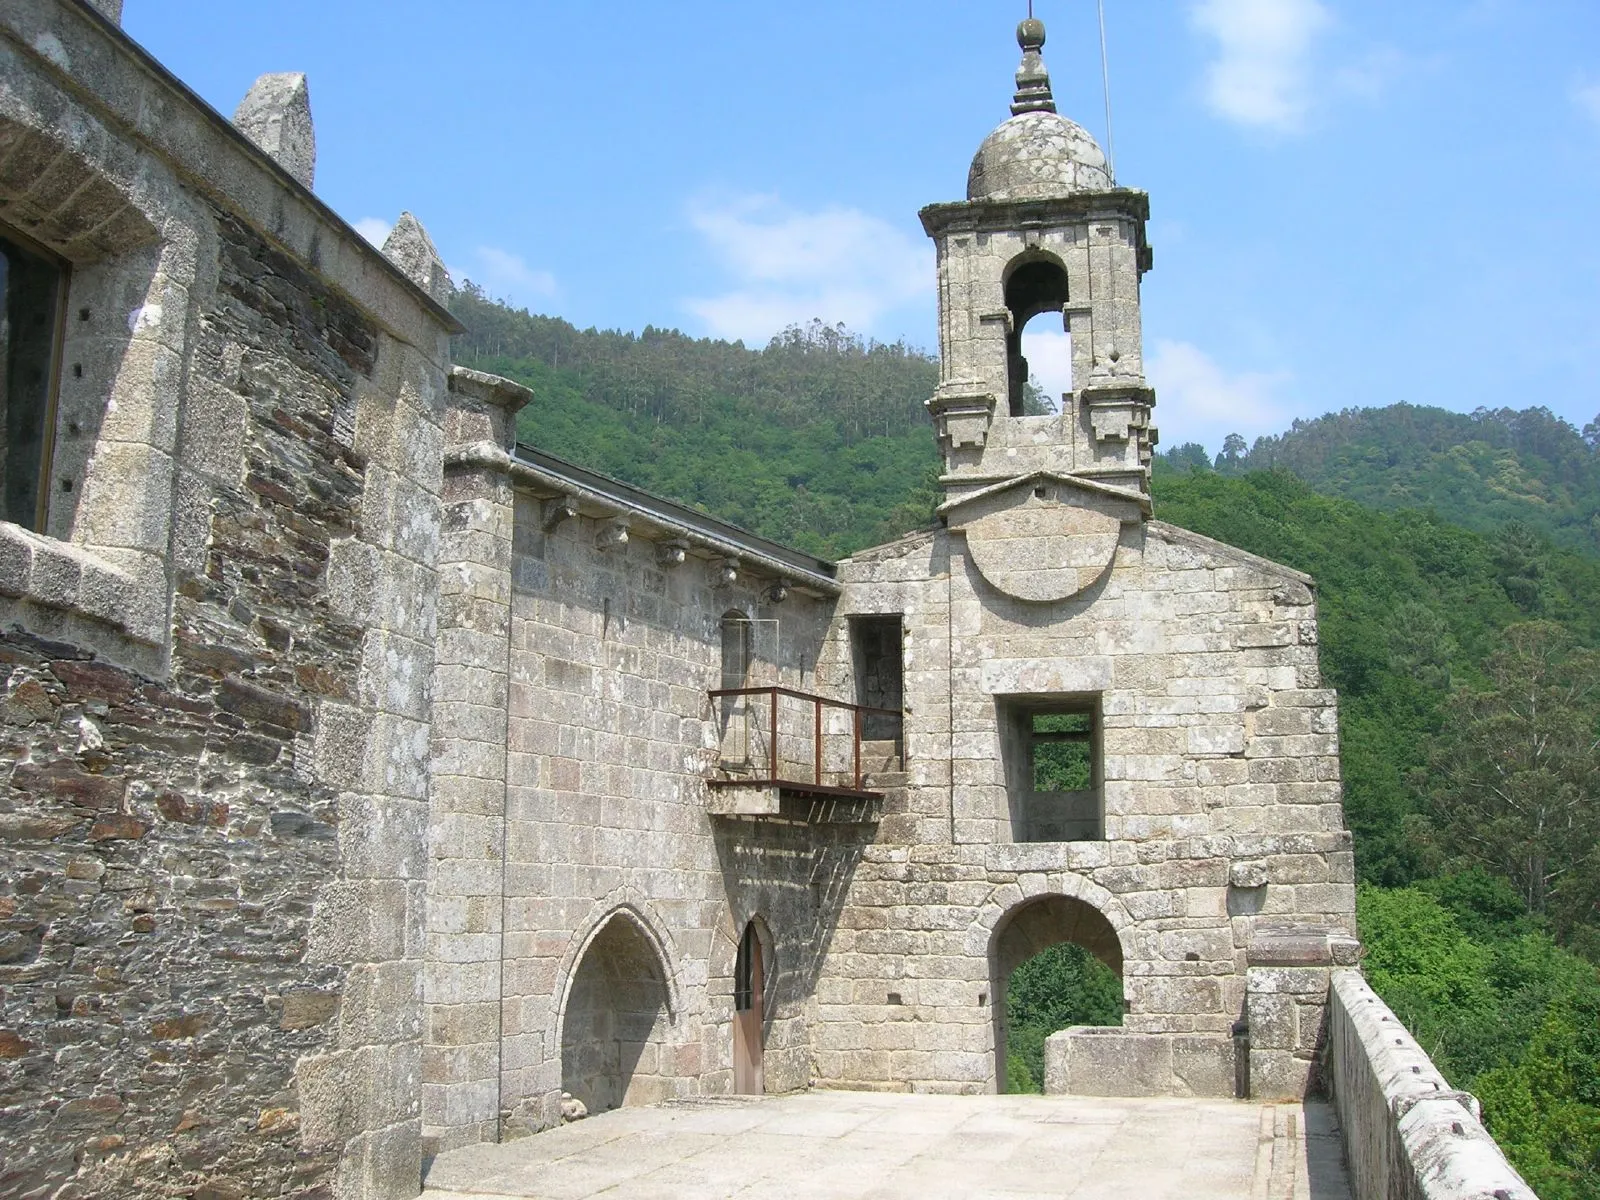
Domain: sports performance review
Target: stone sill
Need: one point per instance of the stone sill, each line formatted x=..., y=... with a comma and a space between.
x=48, y=574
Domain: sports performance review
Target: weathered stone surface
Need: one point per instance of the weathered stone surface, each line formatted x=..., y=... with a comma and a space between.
x=1408, y=1134
x=275, y=114
x=410, y=248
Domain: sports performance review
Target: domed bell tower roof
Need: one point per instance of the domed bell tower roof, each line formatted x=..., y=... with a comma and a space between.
x=1038, y=154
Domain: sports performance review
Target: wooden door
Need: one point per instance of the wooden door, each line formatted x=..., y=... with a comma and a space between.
x=749, y=983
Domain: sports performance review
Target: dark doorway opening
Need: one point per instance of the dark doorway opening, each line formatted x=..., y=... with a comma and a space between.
x=749, y=1012
x=877, y=646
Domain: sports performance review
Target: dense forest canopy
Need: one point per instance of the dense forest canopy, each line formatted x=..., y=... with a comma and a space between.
x=1480, y=469
x=818, y=440
x=1458, y=564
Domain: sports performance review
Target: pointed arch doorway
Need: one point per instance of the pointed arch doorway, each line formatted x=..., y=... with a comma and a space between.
x=749, y=1011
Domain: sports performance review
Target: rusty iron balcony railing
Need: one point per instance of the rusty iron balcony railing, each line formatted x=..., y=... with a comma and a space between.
x=820, y=762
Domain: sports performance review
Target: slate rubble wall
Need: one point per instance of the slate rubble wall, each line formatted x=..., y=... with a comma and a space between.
x=215, y=663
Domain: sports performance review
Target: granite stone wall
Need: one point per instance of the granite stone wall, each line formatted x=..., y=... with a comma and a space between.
x=611, y=737
x=1220, y=793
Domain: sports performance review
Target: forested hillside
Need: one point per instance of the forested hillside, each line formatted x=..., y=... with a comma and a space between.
x=1480, y=470
x=1459, y=593
x=819, y=440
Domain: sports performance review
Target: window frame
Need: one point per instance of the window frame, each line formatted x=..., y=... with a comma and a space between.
x=1019, y=742
x=58, y=337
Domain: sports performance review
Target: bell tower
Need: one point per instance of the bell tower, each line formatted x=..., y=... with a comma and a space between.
x=1044, y=230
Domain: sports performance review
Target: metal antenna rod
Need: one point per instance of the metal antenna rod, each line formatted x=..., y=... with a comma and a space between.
x=1105, y=79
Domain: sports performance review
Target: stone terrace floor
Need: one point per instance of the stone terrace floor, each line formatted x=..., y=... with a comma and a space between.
x=871, y=1146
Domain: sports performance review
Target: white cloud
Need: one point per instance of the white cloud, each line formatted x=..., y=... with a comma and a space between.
x=374, y=229
x=1262, y=73
x=1587, y=98
x=1199, y=401
x=786, y=266
x=506, y=276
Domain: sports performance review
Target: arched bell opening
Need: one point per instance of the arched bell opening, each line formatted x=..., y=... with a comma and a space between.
x=615, y=1025
x=1055, y=961
x=1035, y=286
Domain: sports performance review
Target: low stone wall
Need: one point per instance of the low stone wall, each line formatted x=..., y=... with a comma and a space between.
x=1086, y=1060
x=1407, y=1135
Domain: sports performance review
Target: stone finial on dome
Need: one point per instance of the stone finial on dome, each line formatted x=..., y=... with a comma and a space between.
x=1033, y=78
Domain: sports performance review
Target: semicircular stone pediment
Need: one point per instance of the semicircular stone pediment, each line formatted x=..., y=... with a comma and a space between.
x=1043, y=550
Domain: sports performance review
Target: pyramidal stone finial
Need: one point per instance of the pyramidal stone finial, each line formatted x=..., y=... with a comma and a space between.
x=409, y=247
x=1033, y=79
x=275, y=114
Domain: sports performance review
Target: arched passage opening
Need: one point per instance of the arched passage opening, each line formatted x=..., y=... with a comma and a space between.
x=614, y=1030
x=1055, y=961
x=1037, y=288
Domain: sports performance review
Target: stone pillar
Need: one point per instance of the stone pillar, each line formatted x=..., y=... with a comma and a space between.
x=467, y=798
x=1286, y=1003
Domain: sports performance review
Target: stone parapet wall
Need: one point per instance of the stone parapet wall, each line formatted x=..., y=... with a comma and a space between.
x=1407, y=1135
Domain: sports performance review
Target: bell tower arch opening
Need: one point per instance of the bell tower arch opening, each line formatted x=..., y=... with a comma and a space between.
x=1055, y=961
x=1035, y=287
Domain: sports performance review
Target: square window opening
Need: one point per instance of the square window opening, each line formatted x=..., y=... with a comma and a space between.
x=1054, y=781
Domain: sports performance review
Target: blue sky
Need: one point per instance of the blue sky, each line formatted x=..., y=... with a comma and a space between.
x=1354, y=202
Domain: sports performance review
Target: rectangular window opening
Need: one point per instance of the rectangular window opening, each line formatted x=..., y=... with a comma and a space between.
x=877, y=646
x=33, y=289
x=1052, y=752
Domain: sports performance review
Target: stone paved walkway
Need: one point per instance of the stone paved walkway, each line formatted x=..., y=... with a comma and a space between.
x=864, y=1146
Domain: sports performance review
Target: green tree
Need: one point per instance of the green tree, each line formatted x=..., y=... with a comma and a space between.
x=1513, y=781
x=1036, y=402
x=1234, y=448
x=1191, y=456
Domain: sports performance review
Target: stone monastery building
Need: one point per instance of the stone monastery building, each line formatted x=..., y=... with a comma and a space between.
x=371, y=780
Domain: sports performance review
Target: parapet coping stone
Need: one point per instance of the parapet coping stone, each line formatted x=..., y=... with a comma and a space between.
x=1445, y=1145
